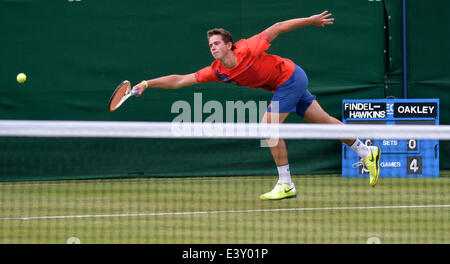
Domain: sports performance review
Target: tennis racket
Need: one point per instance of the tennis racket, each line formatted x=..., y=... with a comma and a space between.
x=120, y=95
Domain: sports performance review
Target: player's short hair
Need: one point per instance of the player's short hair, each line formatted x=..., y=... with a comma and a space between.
x=226, y=36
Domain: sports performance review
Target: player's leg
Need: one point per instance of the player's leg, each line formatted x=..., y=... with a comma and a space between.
x=371, y=155
x=285, y=187
x=277, y=145
x=315, y=114
x=284, y=101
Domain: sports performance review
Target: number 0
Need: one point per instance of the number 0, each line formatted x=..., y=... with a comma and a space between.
x=412, y=144
x=368, y=142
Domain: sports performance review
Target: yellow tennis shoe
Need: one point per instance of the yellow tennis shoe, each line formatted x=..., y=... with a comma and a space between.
x=280, y=191
x=372, y=162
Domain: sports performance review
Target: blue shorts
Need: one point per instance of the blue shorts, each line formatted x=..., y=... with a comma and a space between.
x=293, y=94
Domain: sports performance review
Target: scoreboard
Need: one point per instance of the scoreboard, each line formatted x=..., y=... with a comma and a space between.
x=399, y=158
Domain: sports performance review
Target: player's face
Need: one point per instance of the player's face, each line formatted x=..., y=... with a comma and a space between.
x=218, y=47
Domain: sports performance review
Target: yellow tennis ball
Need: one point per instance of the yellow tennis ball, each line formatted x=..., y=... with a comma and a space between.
x=21, y=78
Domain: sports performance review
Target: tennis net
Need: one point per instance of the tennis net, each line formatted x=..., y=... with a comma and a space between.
x=151, y=182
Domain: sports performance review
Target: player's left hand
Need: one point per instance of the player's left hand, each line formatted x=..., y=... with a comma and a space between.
x=322, y=19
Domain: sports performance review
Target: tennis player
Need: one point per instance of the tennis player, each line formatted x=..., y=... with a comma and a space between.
x=245, y=63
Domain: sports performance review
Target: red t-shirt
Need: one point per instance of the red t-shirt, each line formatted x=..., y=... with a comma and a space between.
x=255, y=68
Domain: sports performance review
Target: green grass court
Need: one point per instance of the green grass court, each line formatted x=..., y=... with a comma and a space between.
x=327, y=209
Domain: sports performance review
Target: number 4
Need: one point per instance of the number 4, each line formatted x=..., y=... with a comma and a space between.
x=414, y=165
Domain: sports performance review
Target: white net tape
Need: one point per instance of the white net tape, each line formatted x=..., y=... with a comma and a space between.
x=105, y=129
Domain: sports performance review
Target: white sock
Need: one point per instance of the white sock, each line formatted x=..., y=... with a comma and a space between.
x=360, y=148
x=284, y=175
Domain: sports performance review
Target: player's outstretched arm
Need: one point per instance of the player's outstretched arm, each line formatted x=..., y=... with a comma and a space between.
x=319, y=20
x=167, y=82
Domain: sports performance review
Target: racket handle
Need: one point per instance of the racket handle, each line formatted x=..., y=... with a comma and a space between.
x=135, y=92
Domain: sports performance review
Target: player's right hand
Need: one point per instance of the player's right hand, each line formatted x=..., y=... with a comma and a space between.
x=139, y=87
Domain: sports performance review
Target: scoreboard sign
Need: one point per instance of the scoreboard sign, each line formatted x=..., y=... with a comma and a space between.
x=399, y=158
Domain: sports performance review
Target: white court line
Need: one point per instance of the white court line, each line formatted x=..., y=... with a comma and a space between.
x=228, y=211
x=143, y=180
